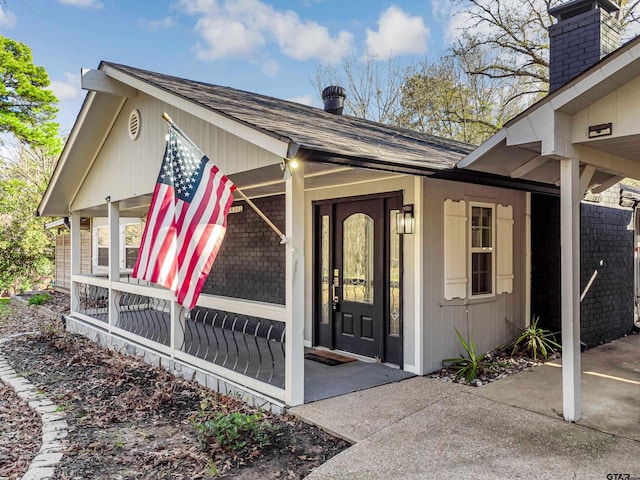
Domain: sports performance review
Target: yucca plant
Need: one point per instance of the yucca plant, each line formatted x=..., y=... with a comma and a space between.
x=536, y=340
x=471, y=365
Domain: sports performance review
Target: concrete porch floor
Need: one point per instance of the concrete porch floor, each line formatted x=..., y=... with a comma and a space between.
x=426, y=428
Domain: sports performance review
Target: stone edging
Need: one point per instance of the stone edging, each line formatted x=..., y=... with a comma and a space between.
x=54, y=425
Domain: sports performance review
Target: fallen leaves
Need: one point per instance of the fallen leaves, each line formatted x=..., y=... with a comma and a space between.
x=130, y=420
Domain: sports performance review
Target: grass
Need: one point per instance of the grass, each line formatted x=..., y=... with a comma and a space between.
x=5, y=309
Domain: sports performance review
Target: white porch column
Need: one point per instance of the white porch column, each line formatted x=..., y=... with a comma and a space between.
x=114, y=259
x=178, y=314
x=294, y=287
x=76, y=259
x=570, y=286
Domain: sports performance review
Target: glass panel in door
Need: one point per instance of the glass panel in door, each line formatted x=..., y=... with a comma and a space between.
x=358, y=259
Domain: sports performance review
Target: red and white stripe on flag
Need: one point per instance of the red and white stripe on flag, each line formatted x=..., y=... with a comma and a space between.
x=186, y=223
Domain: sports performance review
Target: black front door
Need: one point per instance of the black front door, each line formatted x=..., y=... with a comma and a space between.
x=358, y=277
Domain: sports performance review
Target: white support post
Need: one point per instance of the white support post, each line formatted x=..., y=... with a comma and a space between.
x=418, y=285
x=114, y=260
x=570, y=287
x=294, y=288
x=76, y=249
x=527, y=261
x=178, y=314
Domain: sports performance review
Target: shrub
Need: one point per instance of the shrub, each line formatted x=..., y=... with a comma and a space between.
x=39, y=299
x=471, y=366
x=536, y=340
x=235, y=431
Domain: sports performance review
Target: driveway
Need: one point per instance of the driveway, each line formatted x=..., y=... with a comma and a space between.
x=426, y=428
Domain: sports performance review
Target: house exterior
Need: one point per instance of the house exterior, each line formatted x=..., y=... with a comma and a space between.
x=395, y=239
x=347, y=280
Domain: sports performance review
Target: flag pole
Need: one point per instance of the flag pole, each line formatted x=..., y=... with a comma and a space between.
x=283, y=238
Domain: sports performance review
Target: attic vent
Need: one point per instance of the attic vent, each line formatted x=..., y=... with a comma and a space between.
x=134, y=124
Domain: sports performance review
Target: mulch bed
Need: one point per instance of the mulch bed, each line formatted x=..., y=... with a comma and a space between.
x=130, y=420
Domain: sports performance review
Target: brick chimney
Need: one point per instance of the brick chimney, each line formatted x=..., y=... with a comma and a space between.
x=586, y=31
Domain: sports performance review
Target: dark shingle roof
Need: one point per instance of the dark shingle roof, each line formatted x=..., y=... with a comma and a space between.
x=312, y=128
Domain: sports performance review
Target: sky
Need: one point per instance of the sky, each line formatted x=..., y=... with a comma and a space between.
x=272, y=47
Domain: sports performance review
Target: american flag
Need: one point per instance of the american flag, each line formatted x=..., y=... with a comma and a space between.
x=187, y=220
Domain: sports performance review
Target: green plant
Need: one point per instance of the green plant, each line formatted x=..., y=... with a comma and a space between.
x=471, y=365
x=39, y=299
x=233, y=431
x=536, y=340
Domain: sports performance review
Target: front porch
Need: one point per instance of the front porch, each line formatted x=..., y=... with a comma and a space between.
x=243, y=354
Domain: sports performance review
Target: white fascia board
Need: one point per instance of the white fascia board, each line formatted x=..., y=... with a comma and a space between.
x=483, y=149
x=98, y=81
x=267, y=142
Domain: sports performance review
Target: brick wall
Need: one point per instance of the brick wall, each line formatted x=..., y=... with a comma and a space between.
x=251, y=261
x=577, y=43
x=606, y=245
x=607, y=309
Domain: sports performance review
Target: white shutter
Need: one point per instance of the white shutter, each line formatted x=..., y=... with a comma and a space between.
x=504, y=250
x=455, y=249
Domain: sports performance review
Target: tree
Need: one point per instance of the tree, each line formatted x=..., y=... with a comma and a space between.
x=27, y=107
x=26, y=248
x=373, y=86
x=443, y=99
x=518, y=33
x=30, y=144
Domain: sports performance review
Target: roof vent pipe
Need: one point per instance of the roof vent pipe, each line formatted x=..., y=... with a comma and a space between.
x=333, y=97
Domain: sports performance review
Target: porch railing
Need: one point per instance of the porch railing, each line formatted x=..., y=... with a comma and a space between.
x=241, y=341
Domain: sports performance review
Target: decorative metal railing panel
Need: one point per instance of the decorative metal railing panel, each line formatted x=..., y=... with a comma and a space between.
x=148, y=317
x=93, y=301
x=254, y=347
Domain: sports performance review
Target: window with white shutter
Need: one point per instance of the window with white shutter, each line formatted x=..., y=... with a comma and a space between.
x=483, y=264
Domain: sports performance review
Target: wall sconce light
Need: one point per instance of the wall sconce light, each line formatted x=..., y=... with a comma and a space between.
x=286, y=165
x=405, y=220
x=601, y=130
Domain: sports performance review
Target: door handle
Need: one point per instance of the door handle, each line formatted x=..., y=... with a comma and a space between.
x=335, y=304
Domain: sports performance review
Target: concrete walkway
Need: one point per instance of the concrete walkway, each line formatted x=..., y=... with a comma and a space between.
x=426, y=428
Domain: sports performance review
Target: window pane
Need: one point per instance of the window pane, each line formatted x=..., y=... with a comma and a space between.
x=394, y=276
x=357, y=259
x=103, y=257
x=481, y=227
x=132, y=235
x=131, y=257
x=481, y=273
x=324, y=267
x=103, y=237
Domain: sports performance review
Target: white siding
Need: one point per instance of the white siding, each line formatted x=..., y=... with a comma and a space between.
x=489, y=320
x=125, y=168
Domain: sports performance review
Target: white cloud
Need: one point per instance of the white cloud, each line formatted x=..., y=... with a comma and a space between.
x=67, y=89
x=82, y=3
x=304, y=100
x=442, y=11
x=398, y=34
x=7, y=19
x=270, y=67
x=241, y=28
x=160, y=24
